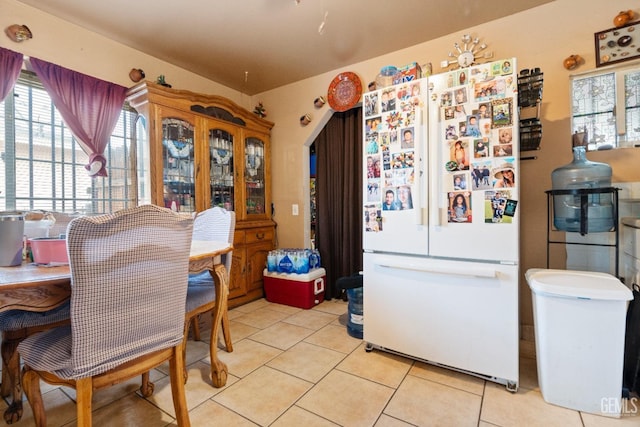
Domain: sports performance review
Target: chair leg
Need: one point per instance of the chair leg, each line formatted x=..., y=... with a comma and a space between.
x=195, y=326
x=147, y=387
x=31, y=381
x=177, y=368
x=226, y=331
x=5, y=386
x=11, y=378
x=84, y=394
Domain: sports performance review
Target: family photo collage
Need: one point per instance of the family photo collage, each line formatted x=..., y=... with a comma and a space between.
x=391, y=129
x=476, y=118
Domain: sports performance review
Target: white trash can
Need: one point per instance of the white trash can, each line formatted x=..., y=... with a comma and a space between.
x=579, y=320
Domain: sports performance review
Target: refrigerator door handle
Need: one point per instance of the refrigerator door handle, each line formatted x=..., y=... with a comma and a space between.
x=469, y=272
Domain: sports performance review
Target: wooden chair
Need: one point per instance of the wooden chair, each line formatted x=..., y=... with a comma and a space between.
x=129, y=282
x=212, y=224
x=16, y=325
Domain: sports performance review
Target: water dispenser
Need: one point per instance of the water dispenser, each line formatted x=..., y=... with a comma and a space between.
x=568, y=205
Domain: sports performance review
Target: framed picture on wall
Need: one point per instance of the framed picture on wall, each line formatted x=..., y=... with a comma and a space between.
x=618, y=44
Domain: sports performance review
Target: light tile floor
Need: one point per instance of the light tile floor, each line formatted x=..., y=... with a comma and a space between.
x=294, y=367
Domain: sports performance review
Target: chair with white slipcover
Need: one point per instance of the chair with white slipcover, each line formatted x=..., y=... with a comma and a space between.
x=212, y=224
x=129, y=275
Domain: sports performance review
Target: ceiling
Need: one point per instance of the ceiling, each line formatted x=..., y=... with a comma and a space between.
x=257, y=45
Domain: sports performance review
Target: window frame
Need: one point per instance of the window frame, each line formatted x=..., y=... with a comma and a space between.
x=621, y=137
x=66, y=160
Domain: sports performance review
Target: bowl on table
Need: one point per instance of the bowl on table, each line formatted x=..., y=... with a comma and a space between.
x=49, y=250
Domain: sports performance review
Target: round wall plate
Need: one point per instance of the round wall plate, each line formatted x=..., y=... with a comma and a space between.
x=344, y=91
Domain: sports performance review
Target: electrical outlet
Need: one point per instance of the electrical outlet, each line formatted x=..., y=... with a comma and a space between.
x=294, y=209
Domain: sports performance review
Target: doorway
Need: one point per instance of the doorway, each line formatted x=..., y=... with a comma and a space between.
x=337, y=187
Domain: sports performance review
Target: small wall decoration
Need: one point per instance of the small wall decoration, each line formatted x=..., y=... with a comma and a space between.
x=136, y=74
x=572, y=62
x=18, y=33
x=618, y=44
x=305, y=120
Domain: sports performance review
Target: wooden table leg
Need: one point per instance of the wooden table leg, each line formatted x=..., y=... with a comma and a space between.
x=11, y=374
x=219, y=370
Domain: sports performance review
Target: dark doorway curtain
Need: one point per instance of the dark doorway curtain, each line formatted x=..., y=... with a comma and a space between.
x=339, y=197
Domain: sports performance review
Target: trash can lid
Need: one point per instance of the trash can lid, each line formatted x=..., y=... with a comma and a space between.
x=578, y=284
x=631, y=221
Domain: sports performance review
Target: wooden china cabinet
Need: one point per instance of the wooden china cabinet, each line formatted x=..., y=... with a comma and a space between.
x=198, y=151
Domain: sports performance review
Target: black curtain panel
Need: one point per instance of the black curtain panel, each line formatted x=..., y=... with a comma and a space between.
x=339, y=197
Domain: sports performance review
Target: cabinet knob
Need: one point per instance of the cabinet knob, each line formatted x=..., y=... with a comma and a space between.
x=260, y=236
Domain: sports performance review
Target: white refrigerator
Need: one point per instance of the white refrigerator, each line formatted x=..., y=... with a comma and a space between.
x=441, y=227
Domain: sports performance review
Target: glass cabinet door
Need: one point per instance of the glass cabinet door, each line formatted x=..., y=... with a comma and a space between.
x=254, y=176
x=178, y=164
x=221, y=168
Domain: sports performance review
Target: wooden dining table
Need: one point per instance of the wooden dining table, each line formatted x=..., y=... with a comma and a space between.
x=41, y=288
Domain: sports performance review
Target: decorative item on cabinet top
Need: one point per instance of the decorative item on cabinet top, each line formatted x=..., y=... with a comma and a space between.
x=215, y=106
x=161, y=81
x=260, y=110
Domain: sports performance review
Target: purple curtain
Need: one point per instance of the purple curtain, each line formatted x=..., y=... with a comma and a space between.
x=89, y=106
x=10, y=64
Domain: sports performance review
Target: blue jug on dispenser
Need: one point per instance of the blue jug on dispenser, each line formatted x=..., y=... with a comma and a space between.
x=582, y=174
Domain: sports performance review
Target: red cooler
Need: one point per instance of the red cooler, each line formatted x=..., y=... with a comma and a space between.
x=297, y=290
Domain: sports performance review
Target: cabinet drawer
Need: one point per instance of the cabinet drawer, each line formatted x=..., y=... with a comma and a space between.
x=238, y=237
x=259, y=235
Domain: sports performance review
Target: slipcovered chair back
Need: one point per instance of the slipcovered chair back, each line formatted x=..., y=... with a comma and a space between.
x=129, y=281
x=216, y=224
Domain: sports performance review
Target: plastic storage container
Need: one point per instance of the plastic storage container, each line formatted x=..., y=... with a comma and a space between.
x=11, y=238
x=582, y=174
x=579, y=320
x=49, y=250
x=386, y=76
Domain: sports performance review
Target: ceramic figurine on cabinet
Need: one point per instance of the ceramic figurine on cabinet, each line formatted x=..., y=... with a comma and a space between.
x=260, y=110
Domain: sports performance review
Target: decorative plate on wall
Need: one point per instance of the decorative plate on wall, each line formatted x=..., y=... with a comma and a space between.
x=344, y=91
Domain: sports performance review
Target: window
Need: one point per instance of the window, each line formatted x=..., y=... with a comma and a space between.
x=606, y=105
x=42, y=165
